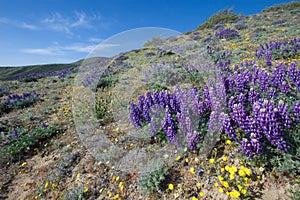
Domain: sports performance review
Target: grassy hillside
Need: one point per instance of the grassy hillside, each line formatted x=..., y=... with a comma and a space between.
x=210, y=114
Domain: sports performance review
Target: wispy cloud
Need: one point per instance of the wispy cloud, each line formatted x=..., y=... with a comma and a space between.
x=16, y=23
x=96, y=40
x=63, y=50
x=58, y=22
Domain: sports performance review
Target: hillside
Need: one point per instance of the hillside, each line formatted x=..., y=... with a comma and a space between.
x=213, y=113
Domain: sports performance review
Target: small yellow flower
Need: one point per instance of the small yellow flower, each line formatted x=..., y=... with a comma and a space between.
x=227, y=168
x=198, y=184
x=192, y=170
x=77, y=176
x=46, y=184
x=224, y=158
x=117, y=178
x=186, y=160
x=234, y=194
x=109, y=195
x=231, y=176
x=211, y=161
x=116, y=196
x=178, y=158
x=242, y=173
x=120, y=184
x=225, y=184
x=222, y=169
x=131, y=145
x=171, y=186
x=243, y=191
x=201, y=194
x=228, y=142
x=220, y=178
x=24, y=164
x=220, y=190
x=208, y=172
x=86, y=189
x=258, y=177
x=105, y=151
x=216, y=184
x=194, y=198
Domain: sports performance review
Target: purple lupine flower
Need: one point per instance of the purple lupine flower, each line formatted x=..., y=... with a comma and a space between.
x=293, y=73
x=296, y=112
x=272, y=93
x=242, y=98
x=15, y=133
x=231, y=102
x=136, y=115
x=253, y=96
x=239, y=115
x=247, y=148
x=263, y=80
x=192, y=140
x=256, y=143
x=283, y=114
x=268, y=59
x=228, y=127
x=169, y=127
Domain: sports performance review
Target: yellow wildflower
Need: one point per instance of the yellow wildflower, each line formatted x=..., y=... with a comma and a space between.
x=211, y=161
x=116, y=196
x=221, y=190
x=86, y=189
x=220, y=178
x=224, y=158
x=46, y=184
x=186, y=160
x=178, y=158
x=192, y=170
x=242, y=173
x=194, y=198
x=231, y=176
x=171, y=186
x=225, y=184
x=243, y=191
x=228, y=142
x=234, y=194
x=24, y=164
x=201, y=194
x=216, y=184
x=198, y=184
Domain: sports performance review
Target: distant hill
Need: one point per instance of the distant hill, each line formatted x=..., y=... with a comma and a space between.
x=11, y=72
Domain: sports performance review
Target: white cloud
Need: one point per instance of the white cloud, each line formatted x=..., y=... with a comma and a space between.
x=16, y=23
x=58, y=22
x=63, y=50
x=95, y=40
x=46, y=51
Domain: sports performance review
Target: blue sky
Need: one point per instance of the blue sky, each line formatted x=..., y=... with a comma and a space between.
x=62, y=31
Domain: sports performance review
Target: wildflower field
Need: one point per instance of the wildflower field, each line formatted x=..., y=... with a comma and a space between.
x=213, y=113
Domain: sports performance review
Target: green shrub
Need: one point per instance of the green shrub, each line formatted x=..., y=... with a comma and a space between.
x=287, y=6
x=223, y=16
x=152, y=177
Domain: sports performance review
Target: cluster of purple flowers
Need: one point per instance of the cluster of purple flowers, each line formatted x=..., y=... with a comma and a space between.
x=260, y=119
x=281, y=21
x=15, y=101
x=181, y=112
x=240, y=26
x=227, y=33
x=37, y=75
x=148, y=54
x=279, y=49
x=3, y=91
